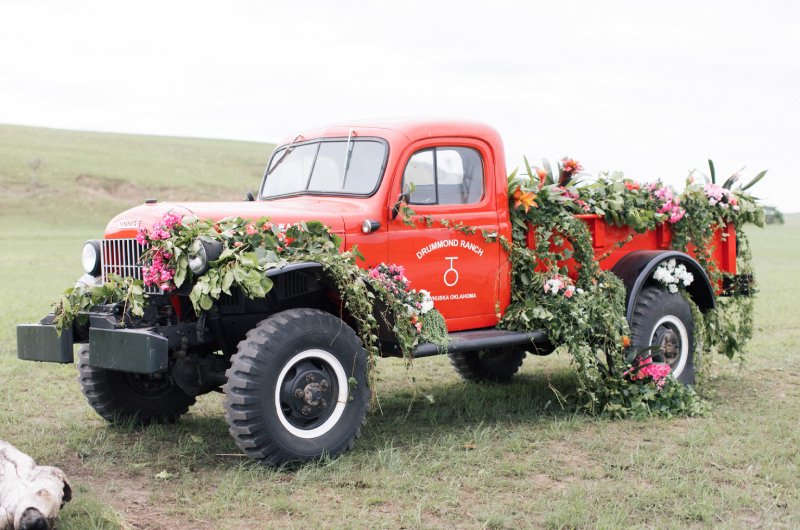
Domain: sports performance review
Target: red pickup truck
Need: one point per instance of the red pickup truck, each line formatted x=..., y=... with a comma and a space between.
x=292, y=370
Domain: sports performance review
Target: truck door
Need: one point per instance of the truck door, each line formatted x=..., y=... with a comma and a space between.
x=449, y=182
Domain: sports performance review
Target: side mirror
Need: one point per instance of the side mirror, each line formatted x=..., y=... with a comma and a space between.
x=249, y=197
x=404, y=197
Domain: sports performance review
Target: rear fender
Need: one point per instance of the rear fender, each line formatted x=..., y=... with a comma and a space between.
x=637, y=268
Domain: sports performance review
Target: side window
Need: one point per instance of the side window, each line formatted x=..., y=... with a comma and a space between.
x=445, y=175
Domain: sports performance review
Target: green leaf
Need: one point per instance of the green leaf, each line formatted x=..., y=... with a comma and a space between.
x=730, y=181
x=713, y=172
x=180, y=273
x=755, y=180
x=548, y=181
x=227, y=281
x=528, y=169
x=206, y=302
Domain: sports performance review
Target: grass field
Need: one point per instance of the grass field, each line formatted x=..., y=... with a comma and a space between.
x=439, y=453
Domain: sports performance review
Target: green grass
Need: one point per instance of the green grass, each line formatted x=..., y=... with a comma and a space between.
x=470, y=456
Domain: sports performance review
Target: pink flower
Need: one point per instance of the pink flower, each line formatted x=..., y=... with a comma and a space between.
x=251, y=229
x=569, y=291
x=646, y=368
x=267, y=226
x=141, y=236
x=170, y=220
x=670, y=205
x=676, y=213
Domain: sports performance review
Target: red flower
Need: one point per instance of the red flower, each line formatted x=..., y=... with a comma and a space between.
x=570, y=166
x=631, y=185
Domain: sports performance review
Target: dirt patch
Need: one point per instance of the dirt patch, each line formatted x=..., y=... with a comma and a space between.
x=104, y=185
x=119, y=189
x=130, y=495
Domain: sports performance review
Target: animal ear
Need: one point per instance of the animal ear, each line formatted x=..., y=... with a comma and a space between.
x=67, y=493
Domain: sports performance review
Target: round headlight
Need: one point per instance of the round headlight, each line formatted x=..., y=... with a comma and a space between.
x=198, y=259
x=203, y=250
x=90, y=257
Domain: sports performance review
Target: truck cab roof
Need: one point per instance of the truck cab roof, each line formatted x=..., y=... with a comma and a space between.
x=409, y=130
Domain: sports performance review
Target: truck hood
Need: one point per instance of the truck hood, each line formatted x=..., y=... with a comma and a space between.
x=292, y=211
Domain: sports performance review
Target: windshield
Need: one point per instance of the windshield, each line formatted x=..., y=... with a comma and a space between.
x=319, y=167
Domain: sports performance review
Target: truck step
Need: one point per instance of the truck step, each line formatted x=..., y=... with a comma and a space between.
x=485, y=339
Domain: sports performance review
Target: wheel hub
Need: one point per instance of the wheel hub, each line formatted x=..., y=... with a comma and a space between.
x=669, y=344
x=306, y=395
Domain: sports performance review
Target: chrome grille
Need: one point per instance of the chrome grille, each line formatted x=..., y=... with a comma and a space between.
x=122, y=257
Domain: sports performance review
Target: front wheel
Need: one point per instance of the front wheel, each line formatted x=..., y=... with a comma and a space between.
x=122, y=397
x=663, y=321
x=297, y=388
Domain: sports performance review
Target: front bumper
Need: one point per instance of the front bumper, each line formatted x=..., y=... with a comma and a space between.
x=41, y=342
x=127, y=350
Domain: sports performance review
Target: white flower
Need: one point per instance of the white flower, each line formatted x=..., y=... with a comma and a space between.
x=672, y=274
x=427, y=301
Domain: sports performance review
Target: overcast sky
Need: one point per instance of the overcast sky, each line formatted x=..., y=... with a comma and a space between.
x=649, y=88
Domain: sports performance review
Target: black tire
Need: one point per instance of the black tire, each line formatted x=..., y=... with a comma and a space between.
x=665, y=318
x=122, y=397
x=494, y=366
x=277, y=408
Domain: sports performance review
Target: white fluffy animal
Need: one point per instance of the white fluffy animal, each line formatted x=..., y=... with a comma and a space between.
x=30, y=495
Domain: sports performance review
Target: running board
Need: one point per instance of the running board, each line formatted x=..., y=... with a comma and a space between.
x=485, y=339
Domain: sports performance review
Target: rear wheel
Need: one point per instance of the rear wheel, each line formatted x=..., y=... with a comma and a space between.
x=495, y=366
x=297, y=388
x=663, y=320
x=121, y=397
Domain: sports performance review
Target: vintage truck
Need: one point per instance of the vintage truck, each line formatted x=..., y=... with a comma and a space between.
x=292, y=369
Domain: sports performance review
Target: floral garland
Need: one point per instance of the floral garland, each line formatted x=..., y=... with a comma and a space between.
x=249, y=249
x=585, y=316
x=596, y=334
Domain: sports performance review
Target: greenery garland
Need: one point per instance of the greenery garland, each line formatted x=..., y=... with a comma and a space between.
x=585, y=317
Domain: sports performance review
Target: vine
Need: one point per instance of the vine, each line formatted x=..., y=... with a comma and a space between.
x=587, y=317
x=557, y=283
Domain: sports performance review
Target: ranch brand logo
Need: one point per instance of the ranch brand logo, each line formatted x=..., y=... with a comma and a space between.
x=449, y=243
x=129, y=223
